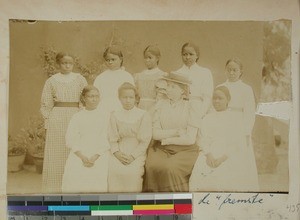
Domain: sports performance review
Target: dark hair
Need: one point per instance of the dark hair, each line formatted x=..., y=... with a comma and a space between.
x=225, y=90
x=154, y=50
x=85, y=90
x=128, y=86
x=115, y=51
x=61, y=55
x=196, y=48
x=238, y=62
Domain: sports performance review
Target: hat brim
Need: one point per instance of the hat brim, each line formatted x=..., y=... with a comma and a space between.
x=176, y=81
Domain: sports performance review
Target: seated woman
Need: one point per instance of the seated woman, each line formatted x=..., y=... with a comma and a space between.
x=129, y=135
x=224, y=163
x=86, y=168
x=171, y=159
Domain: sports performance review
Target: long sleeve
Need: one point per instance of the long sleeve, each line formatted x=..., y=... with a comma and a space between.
x=83, y=82
x=47, y=102
x=129, y=78
x=188, y=138
x=104, y=143
x=113, y=135
x=73, y=134
x=207, y=94
x=158, y=132
x=205, y=138
x=144, y=136
x=103, y=139
x=249, y=110
x=97, y=82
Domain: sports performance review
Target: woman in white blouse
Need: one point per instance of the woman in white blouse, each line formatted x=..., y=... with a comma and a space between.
x=86, y=168
x=201, y=88
x=129, y=134
x=242, y=105
x=223, y=164
x=242, y=101
x=111, y=79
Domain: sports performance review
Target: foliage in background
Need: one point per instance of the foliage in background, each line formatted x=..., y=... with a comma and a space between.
x=276, y=73
x=50, y=67
x=32, y=136
x=91, y=69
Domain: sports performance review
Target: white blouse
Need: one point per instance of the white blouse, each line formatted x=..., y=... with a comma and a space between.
x=202, y=84
x=242, y=102
x=87, y=132
x=108, y=84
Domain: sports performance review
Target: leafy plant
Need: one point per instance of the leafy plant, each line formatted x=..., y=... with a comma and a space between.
x=90, y=70
x=276, y=73
x=32, y=136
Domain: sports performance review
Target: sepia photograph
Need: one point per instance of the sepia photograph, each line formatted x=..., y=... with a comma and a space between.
x=147, y=106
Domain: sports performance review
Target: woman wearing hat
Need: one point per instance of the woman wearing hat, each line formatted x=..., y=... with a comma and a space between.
x=171, y=159
x=223, y=163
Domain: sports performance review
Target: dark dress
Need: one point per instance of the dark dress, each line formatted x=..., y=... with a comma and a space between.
x=168, y=167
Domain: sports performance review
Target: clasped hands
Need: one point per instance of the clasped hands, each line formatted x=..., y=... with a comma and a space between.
x=87, y=162
x=124, y=158
x=215, y=162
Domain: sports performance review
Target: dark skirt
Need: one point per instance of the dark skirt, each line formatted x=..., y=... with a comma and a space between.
x=168, y=168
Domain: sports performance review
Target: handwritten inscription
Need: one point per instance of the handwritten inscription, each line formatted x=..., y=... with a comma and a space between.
x=293, y=207
x=230, y=199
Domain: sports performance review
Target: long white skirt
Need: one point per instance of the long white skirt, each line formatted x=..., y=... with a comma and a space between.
x=237, y=173
x=126, y=178
x=78, y=178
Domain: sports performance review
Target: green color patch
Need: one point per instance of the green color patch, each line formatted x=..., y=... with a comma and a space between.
x=111, y=207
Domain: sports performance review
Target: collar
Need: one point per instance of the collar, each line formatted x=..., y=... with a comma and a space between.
x=233, y=83
x=194, y=66
x=65, y=77
x=155, y=70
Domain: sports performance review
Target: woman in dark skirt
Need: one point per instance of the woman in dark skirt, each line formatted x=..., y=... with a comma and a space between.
x=170, y=161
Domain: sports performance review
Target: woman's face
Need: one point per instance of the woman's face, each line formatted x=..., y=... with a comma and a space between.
x=91, y=99
x=127, y=98
x=233, y=72
x=150, y=60
x=174, y=91
x=113, y=62
x=66, y=64
x=189, y=56
x=220, y=101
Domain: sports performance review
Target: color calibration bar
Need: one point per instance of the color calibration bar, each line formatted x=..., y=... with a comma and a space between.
x=101, y=205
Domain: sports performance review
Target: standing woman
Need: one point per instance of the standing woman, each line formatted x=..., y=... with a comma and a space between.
x=242, y=104
x=60, y=100
x=202, y=82
x=111, y=79
x=242, y=101
x=171, y=159
x=147, y=81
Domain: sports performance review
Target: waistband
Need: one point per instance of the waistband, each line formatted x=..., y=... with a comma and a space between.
x=66, y=104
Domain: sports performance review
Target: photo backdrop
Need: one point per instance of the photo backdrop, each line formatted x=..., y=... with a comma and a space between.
x=218, y=41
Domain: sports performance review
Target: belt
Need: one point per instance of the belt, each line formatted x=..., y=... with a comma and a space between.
x=66, y=104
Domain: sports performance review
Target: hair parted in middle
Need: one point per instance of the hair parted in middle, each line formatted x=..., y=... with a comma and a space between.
x=85, y=90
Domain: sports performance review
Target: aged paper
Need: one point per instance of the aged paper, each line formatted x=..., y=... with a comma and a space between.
x=163, y=11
